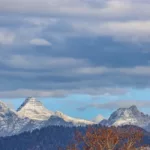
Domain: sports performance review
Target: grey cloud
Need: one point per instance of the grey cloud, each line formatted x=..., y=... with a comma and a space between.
x=39, y=42
x=66, y=80
x=80, y=65
x=29, y=28
x=122, y=20
x=87, y=56
x=30, y=62
x=108, y=9
x=21, y=93
x=138, y=70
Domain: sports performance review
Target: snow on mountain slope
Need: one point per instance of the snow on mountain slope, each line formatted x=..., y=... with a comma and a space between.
x=33, y=109
x=128, y=116
x=75, y=121
x=10, y=122
x=57, y=121
x=33, y=115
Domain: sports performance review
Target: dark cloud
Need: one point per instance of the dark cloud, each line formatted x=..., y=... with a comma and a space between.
x=44, y=68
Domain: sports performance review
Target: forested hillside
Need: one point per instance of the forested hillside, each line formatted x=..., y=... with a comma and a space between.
x=50, y=138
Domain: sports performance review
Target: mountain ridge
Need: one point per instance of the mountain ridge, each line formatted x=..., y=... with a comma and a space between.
x=33, y=115
x=34, y=109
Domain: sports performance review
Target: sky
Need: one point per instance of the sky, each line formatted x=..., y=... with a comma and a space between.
x=81, y=57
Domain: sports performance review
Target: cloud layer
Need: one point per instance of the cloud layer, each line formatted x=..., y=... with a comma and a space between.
x=57, y=48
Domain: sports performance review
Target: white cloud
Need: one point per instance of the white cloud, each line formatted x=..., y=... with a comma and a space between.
x=40, y=42
x=92, y=70
x=98, y=118
x=120, y=30
x=137, y=70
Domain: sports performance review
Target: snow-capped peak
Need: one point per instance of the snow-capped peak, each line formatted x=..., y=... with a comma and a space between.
x=34, y=109
x=29, y=100
x=131, y=115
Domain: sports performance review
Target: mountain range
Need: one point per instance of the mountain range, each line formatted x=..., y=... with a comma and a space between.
x=33, y=115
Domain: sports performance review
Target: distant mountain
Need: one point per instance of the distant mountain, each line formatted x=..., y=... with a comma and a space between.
x=128, y=116
x=34, y=110
x=33, y=115
x=10, y=122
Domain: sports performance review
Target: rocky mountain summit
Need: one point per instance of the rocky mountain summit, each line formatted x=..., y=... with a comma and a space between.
x=34, y=110
x=128, y=116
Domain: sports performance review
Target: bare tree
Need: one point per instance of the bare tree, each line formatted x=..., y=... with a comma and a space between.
x=107, y=138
